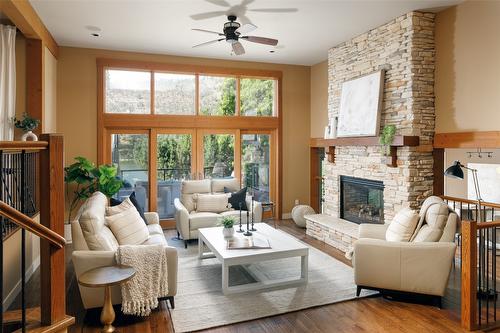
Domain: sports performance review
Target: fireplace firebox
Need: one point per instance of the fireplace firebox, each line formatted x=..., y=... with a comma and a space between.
x=361, y=200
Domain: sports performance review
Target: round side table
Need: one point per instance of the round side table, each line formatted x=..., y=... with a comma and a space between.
x=106, y=277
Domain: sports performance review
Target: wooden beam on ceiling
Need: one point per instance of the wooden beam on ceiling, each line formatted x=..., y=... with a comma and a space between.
x=25, y=18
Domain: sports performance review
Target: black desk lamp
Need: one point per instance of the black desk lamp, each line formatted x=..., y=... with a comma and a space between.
x=455, y=171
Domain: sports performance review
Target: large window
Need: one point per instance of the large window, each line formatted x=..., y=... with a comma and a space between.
x=161, y=124
x=128, y=91
x=257, y=97
x=217, y=96
x=174, y=94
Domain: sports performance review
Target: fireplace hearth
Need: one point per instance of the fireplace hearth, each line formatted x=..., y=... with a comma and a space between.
x=361, y=200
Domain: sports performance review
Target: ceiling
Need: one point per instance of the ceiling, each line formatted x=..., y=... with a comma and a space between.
x=164, y=26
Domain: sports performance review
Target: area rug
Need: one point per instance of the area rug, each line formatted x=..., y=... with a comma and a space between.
x=200, y=304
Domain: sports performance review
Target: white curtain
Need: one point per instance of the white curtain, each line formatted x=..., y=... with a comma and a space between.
x=7, y=81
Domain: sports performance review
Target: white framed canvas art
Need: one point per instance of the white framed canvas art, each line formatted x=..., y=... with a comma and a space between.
x=360, y=104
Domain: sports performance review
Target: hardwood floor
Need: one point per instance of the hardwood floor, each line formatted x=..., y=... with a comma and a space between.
x=375, y=314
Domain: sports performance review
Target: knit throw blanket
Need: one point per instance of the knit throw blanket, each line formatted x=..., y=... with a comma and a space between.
x=140, y=294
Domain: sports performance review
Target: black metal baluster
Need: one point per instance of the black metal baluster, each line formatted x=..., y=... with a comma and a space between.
x=23, y=241
x=487, y=257
x=1, y=244
x=480, y=279
x=494, y=273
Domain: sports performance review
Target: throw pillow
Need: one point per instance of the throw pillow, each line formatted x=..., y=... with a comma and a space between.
x=126, y=224
x=115, y=202
x=402, y=226
x=213, y=203
x=92, y=222
x=236, y=198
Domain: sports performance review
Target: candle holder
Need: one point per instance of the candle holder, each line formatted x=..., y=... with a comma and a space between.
x=241, y=229
x=248, y=232
x=252, y=227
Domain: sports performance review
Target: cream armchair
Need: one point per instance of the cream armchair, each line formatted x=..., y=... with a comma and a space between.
x=188, y=220
x=419, y=266
x=85, y=258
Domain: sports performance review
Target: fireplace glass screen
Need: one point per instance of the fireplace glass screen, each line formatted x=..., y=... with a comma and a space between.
x=361, y=200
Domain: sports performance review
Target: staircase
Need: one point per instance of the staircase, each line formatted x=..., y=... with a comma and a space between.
x=32, y=182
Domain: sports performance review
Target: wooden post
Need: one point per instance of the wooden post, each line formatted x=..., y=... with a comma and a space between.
x=438, y=170
x=469, y=275
x=35, y=59
x=52, y=263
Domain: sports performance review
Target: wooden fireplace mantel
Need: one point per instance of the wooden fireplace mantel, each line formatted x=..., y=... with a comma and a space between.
x=399, y=141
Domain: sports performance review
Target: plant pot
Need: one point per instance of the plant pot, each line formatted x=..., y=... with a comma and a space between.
x=29, y=136
x=228, y=232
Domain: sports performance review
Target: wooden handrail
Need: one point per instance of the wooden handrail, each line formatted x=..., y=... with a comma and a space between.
x=472, y=202
x=23, y=145
x=29, y=224
x=486, y=225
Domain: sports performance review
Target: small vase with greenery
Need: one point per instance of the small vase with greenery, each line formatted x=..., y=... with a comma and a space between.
x=88, y=178
x=227, y=222
x=27, y=125
x=387, y=137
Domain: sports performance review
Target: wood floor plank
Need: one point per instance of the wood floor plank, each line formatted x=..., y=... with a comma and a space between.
x=370, y=315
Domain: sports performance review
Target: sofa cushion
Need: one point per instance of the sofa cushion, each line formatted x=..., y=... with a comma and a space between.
x=155, y=239
x=237, y=198
x=402, y=226
x=115, y=202
x=92, y=222
x=233, y=184
x=190, y=190
x=127, y=225
x=213, y=203
x=203, y=220
x=436, y=216
x=155, y=229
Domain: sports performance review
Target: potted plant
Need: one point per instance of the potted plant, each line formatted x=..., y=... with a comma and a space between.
x=86, y=178
x=387, y=137
x=227, y=222
x=27, y=125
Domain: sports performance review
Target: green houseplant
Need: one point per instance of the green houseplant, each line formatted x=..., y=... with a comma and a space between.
x=88, y=178
x=227, y=222
x=387, y=137
x=27, y=125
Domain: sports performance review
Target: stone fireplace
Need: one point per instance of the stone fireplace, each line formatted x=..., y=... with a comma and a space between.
x=361, y=200
x=404, y=49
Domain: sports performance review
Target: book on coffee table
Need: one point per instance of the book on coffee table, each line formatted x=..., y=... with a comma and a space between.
x=247, y=243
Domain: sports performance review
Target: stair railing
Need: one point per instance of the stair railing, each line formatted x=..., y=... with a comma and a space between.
x=32, y=176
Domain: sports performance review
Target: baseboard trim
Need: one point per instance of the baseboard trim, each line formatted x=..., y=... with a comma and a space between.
x=11, y=296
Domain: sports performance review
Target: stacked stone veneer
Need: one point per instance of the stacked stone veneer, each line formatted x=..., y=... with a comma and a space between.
x=404, y=48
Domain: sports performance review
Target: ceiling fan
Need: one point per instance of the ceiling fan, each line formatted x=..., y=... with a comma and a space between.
x=233, y=32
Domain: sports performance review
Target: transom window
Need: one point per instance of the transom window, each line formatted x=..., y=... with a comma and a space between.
x=132, y=92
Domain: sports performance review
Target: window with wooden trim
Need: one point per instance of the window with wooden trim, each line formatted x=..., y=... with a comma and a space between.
x=162, y=123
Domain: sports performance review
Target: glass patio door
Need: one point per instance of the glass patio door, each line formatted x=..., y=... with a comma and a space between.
x=257, y=164
x=218, y=156
x=130, y=154
x=175, y=162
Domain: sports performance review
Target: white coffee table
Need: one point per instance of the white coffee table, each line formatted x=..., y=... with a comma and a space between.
x=282, y=246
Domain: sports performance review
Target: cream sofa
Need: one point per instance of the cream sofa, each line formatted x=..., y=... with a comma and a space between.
x=420, y=267
x=188, y=220
x=90, y=220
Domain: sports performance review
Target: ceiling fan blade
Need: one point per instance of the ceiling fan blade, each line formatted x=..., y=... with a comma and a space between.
x=209, y=31
x=208, y=43
x=275, y=10
x=261, y=40
x=207, y=15
x=246, y=2
x=246, y=28
x=238, y=49
x=221, y=3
